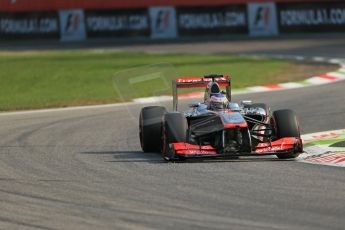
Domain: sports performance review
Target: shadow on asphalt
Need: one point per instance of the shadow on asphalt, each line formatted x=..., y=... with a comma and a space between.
x=155, y=158
x=130, y=156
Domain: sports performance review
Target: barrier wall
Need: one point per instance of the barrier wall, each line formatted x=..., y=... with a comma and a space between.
x=157, y=19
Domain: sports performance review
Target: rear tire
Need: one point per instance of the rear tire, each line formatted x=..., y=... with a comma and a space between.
x=174, y=130
x=285, y=123
x=150, y=126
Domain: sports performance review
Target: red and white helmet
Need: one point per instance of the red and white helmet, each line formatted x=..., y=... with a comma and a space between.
x=218, y=101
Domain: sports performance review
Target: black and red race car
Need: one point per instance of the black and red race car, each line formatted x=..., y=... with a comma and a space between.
x=229, y=130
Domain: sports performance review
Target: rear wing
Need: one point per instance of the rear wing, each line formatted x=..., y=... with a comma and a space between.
x=197, y=82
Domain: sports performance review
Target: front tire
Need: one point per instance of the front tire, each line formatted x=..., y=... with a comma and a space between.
x=285, y=123
x=174, y=130
x=150, y=122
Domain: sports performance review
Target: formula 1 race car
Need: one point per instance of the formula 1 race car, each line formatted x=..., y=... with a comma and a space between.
x=218, y=127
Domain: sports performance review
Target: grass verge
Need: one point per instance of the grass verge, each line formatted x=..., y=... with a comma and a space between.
x=33, y=80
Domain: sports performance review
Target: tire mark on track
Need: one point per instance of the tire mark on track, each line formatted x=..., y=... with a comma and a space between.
x=25, y=224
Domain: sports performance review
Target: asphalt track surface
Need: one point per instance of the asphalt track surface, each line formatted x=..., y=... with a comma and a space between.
x=322, y=45
x=83, y=169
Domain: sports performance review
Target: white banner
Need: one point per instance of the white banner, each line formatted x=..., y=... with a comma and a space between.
x=72, y=25
x=163, y=22
x=262, y=18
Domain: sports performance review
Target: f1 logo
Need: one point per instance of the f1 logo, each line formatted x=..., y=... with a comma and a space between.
x=72, y=23
x=163, y=22
x=262, y=16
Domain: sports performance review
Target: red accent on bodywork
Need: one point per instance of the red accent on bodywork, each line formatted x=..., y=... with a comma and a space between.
x=232, y=126
x=190, y=149
x=199, y=85
x=195, y=79
x=192, y=82
x=285, y=143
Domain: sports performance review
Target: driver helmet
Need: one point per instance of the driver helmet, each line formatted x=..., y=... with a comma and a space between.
x=218, y=101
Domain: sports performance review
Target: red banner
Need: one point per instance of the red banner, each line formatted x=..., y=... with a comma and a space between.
x=51, y=5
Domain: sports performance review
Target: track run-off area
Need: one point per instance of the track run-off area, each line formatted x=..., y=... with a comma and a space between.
x=84, y=169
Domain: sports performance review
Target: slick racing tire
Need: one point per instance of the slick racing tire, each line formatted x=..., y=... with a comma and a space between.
x=285, y=124
x=174, y=130
x=150, y=126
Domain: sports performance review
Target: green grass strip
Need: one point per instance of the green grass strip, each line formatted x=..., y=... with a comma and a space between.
x=32, y=80
x=323, y=142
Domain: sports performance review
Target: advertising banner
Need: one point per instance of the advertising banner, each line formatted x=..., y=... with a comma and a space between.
x=163, y=22
x=210, y=21
x=120, y=23
x=29, y=25
x=262, y=19
x=315, y=17
x=72, y=25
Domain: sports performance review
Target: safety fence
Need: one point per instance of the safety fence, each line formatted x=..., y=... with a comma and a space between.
x=164, y=21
